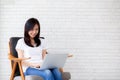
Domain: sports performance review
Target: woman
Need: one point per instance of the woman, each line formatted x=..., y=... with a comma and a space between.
x=34, y=47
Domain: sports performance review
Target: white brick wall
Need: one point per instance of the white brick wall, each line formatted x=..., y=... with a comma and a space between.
x=90, y=29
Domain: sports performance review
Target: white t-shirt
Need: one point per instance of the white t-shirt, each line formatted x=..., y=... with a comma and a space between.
x=34, y=52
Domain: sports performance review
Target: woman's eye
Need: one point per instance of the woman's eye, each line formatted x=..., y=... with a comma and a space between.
x=36, y=29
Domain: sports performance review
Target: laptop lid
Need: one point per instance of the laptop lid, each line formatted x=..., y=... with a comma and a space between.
x=53, y=61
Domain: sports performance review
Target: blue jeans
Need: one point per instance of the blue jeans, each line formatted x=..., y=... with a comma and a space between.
x=48, y=74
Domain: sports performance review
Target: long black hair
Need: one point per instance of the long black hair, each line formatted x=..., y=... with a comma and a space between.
x=30, y=23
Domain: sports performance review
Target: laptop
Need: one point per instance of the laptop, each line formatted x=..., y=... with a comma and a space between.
x=53, y=61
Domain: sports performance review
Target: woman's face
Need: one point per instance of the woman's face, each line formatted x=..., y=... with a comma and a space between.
x=32, y=33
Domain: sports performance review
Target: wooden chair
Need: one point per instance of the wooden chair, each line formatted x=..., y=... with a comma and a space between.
x=16, y=64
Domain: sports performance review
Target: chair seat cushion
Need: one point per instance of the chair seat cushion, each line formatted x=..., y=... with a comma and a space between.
x=29, y=77
x=65, y=76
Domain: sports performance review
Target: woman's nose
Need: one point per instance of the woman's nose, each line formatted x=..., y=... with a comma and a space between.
x=34, y=31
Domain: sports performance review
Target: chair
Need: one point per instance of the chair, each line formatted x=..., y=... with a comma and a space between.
x=16, y=64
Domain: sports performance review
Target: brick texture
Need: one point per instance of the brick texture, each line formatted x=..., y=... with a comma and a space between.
x=89, y=29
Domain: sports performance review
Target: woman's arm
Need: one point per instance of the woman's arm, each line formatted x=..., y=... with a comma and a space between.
x=26, y=63
x=44, y=52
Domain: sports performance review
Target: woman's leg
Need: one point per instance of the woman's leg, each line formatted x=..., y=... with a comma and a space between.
x=45, y=74
x=57, y=74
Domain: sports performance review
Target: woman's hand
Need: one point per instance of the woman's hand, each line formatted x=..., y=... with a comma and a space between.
x=36, y=65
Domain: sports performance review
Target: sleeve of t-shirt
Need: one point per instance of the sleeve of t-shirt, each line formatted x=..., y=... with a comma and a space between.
x=20, y=45
x=43, y=44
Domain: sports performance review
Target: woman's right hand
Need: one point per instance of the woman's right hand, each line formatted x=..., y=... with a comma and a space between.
x=36, y=65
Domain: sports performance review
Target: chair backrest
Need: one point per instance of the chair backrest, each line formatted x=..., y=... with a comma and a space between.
x=12, y=45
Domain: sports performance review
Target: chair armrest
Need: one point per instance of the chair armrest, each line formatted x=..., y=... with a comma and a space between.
x=11, y=57
x=17, y=61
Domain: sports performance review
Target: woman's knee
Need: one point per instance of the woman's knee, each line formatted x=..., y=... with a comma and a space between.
x=57, y=74
x=48, y=75
x=56, y=71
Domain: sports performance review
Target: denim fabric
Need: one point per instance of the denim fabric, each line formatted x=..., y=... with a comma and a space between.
x=48, y=74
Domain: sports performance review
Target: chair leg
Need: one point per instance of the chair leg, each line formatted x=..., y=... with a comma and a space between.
x=13, y=71
x=21, y=71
